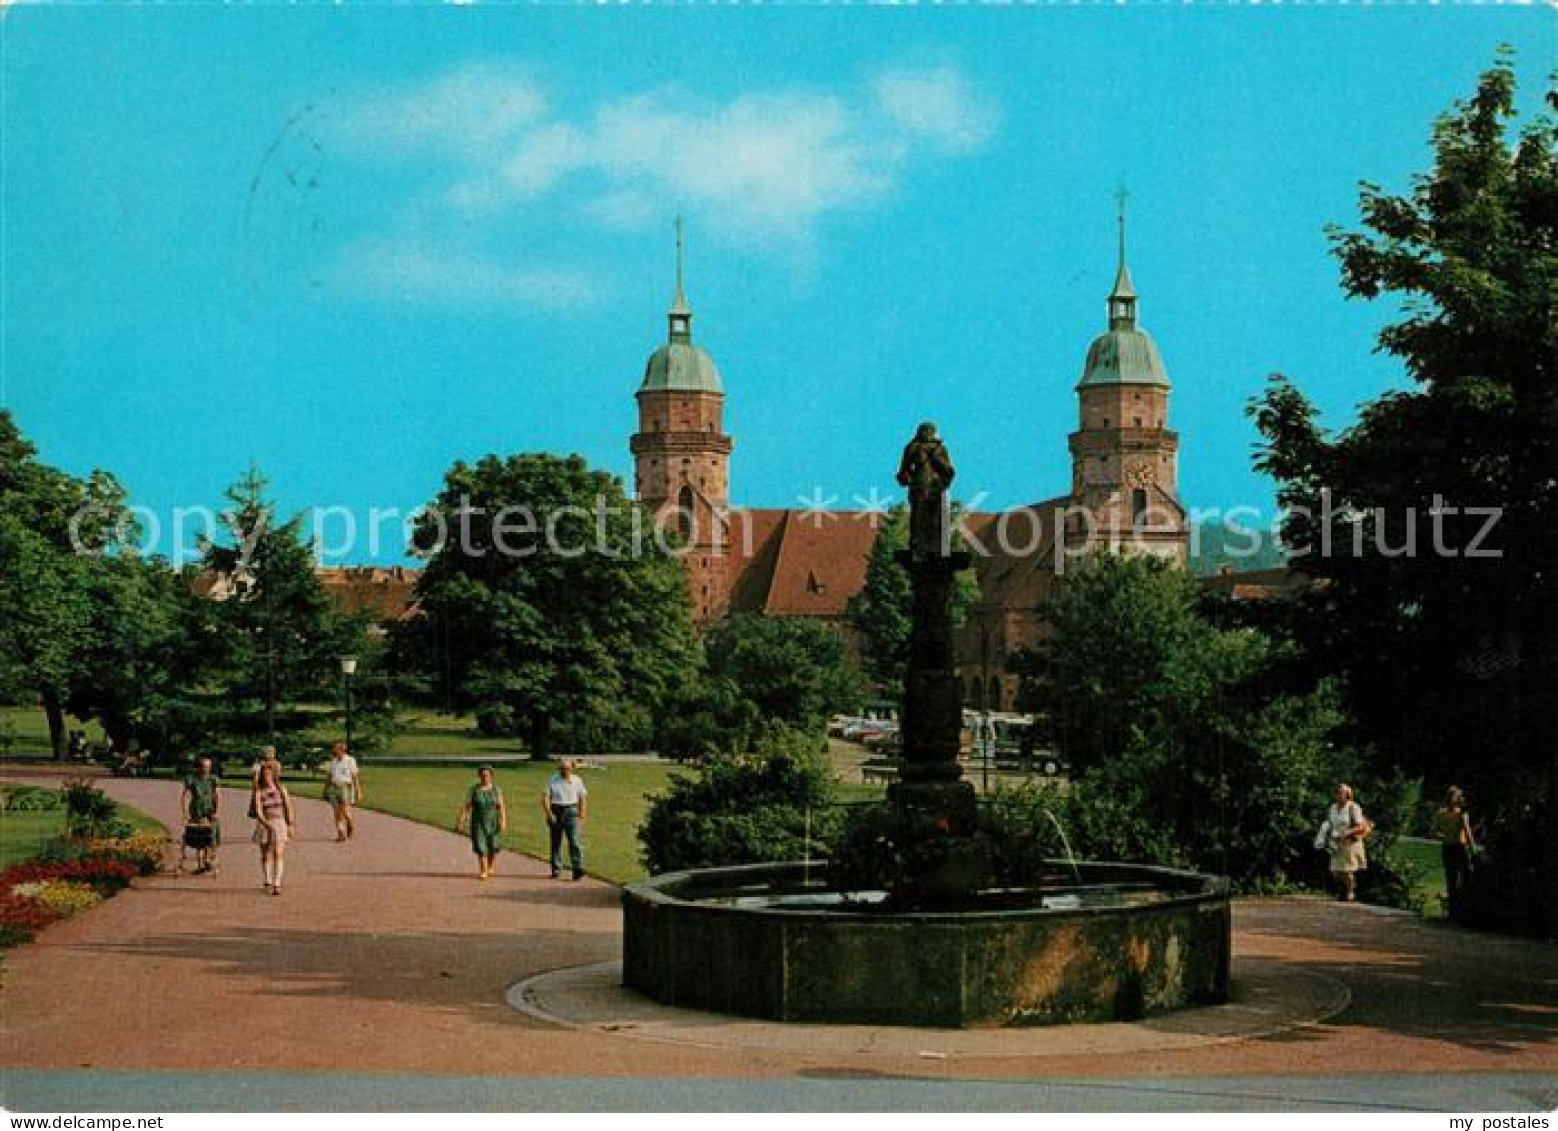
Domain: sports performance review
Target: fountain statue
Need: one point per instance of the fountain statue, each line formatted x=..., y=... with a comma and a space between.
x=938, y=938
x=931, y=800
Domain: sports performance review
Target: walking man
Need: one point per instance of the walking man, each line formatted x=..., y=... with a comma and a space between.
x=343, y=790
x=564, y=804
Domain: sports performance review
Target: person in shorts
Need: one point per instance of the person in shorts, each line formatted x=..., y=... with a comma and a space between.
x=343, y=789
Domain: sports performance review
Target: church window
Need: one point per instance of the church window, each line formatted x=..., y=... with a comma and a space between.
x=1138, y=421
x=684, y=504
x=1138, y=505
x=1106, y=422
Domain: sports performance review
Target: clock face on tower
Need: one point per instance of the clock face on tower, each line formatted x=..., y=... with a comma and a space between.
x=1140, y=474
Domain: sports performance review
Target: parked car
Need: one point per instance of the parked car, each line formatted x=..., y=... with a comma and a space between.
x=861, y=729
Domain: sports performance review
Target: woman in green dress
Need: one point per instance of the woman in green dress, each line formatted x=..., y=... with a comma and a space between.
x=489, y=818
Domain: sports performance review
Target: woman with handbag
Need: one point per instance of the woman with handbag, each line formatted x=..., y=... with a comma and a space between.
x=273, y=825
x=1341, y=835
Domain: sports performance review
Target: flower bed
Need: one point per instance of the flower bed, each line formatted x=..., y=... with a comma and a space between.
x=102, y=874
x=72, y=877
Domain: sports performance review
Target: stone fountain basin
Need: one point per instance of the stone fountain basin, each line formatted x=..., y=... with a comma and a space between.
x=1124, y=941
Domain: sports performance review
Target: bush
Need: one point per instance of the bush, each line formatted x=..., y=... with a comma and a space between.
x=89, y=812
x=1013, y=840
x=32, y=799
x=743, y=809
x=142, y=851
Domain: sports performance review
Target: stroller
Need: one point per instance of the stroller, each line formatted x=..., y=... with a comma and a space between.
x=199, y=838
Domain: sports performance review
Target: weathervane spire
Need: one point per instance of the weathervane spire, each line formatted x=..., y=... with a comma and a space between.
x=681, y=296
x=1122, y=299
x=1121, y=195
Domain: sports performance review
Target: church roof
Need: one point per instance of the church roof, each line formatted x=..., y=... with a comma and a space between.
x=1124, y=356
x=799, y=563
x=679, y=366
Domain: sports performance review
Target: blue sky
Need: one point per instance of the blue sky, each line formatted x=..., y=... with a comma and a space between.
x=355, y=244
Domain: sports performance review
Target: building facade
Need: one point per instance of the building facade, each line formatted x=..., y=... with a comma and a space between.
x=1123, y=498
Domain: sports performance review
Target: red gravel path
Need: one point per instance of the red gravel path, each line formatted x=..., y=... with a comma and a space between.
x=387, y=954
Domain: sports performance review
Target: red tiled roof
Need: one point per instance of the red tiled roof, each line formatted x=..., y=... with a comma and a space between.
x=754, y=546
x=386, y=593
x=821, y=562
x=1013, y=571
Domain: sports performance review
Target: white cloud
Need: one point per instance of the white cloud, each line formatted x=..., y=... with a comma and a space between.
x=937, y=105
x=425, y=275
x=763, y=168
x=771, y=161
x=468, y=111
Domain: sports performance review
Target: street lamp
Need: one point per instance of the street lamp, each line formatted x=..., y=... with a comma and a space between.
x=348, y=669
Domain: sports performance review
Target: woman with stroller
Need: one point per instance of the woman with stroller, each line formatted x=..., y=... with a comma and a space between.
x=201, y=803
x=273, y=824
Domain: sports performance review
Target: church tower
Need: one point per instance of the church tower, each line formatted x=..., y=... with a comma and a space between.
x=682, y=456
x=1124, y=457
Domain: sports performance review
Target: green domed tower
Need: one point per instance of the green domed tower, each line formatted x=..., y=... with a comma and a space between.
x=1124, y=457
x=682, y=455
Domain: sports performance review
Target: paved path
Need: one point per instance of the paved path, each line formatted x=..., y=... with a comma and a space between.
x=386, y=955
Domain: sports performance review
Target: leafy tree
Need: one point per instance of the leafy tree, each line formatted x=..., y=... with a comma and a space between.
x=1449, y=652
x=548, y=607
x=792, y=671
x=141, y=653
x=882, y=612
x=271, y=634
x=1194, y=745
x=1115, y=628
x=50, y=526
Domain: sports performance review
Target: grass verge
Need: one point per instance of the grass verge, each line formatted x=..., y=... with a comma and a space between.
x=619, y=798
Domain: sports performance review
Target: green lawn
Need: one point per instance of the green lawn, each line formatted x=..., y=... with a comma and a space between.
x=618, y=800
x=25, y=731
x=24, y=832
x=425, y=734
x=1423, y=856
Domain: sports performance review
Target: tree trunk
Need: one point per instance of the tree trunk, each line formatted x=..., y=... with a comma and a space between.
x=56, y=713
x=540, y=736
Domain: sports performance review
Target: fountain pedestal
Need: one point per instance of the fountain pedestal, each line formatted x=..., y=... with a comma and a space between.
x=936, y=943
x=934, y=808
